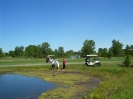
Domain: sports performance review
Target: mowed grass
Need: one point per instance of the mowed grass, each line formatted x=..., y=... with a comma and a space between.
x=18, y=61
x=117, y=81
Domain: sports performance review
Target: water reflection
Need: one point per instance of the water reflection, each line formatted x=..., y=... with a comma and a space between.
x=14, y=86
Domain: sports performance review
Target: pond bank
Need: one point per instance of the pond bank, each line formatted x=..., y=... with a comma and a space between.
x=70, y=84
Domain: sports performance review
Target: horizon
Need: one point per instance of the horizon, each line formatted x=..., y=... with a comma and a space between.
x=70, y=49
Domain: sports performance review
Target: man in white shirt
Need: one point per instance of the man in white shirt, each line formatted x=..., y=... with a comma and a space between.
x=53, y=64
x=57, y=63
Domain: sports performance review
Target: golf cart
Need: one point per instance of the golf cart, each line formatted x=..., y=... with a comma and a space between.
x=49, y=59
x=94, y=62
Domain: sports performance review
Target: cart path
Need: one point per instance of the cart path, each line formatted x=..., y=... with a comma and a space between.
x=38, y=64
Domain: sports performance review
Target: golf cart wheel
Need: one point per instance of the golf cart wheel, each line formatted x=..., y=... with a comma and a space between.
x=95, y=65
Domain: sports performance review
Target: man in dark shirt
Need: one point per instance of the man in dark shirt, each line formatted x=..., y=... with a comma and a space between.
x=64, y=64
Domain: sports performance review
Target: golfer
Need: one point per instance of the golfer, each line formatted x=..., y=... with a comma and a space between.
x=53, y=64
x=57, y=63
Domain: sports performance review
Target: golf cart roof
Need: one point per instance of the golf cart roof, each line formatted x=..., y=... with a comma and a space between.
x=91, y=55
x=50, y=55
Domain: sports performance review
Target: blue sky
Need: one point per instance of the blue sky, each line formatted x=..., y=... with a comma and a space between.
x=65, y=23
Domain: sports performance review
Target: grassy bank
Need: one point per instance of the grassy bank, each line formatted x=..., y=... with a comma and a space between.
x=77, y=81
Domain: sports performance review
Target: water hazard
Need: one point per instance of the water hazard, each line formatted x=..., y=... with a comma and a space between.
x=14, y=86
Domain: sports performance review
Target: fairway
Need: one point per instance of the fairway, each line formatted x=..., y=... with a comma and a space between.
x=78, y=81
x=5, y=62
x=34, y=62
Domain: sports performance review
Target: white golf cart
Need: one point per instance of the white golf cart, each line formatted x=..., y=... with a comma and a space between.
x=49, y=59
x=94, y=62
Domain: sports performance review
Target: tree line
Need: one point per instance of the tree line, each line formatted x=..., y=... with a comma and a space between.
x=42, y=50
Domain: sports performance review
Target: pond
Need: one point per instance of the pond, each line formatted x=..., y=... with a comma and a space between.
x=13, y=86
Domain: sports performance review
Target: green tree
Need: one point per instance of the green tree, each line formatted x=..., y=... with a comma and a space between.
x=19, y=51
x=117, y=48
x=88, y=47
x=40, y=55
x=110, y=53
x=55, y=52
x=127, y=60
x=50, y=51
x=6, y=54
x=32, y=51
x=102, y=52
x=1, y=52
x=131, y=50
x=78, y=53
x=45, y=48
x=61, y=51
x=12, y=53
x=69, y=53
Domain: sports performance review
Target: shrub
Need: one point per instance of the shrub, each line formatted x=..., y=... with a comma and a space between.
x=127, y=61
x=127, y=58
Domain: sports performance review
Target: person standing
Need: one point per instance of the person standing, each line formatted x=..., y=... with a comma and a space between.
x=53, y=64
x=64, y=64
x=57, y=63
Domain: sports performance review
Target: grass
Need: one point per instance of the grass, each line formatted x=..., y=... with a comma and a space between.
x=116, y=80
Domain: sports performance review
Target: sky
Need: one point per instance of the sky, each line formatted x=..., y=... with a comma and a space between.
x=65, y=23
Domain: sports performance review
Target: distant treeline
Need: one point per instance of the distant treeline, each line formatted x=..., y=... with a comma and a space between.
x=42, y=50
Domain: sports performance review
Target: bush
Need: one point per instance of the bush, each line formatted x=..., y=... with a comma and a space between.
x=127, y=61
